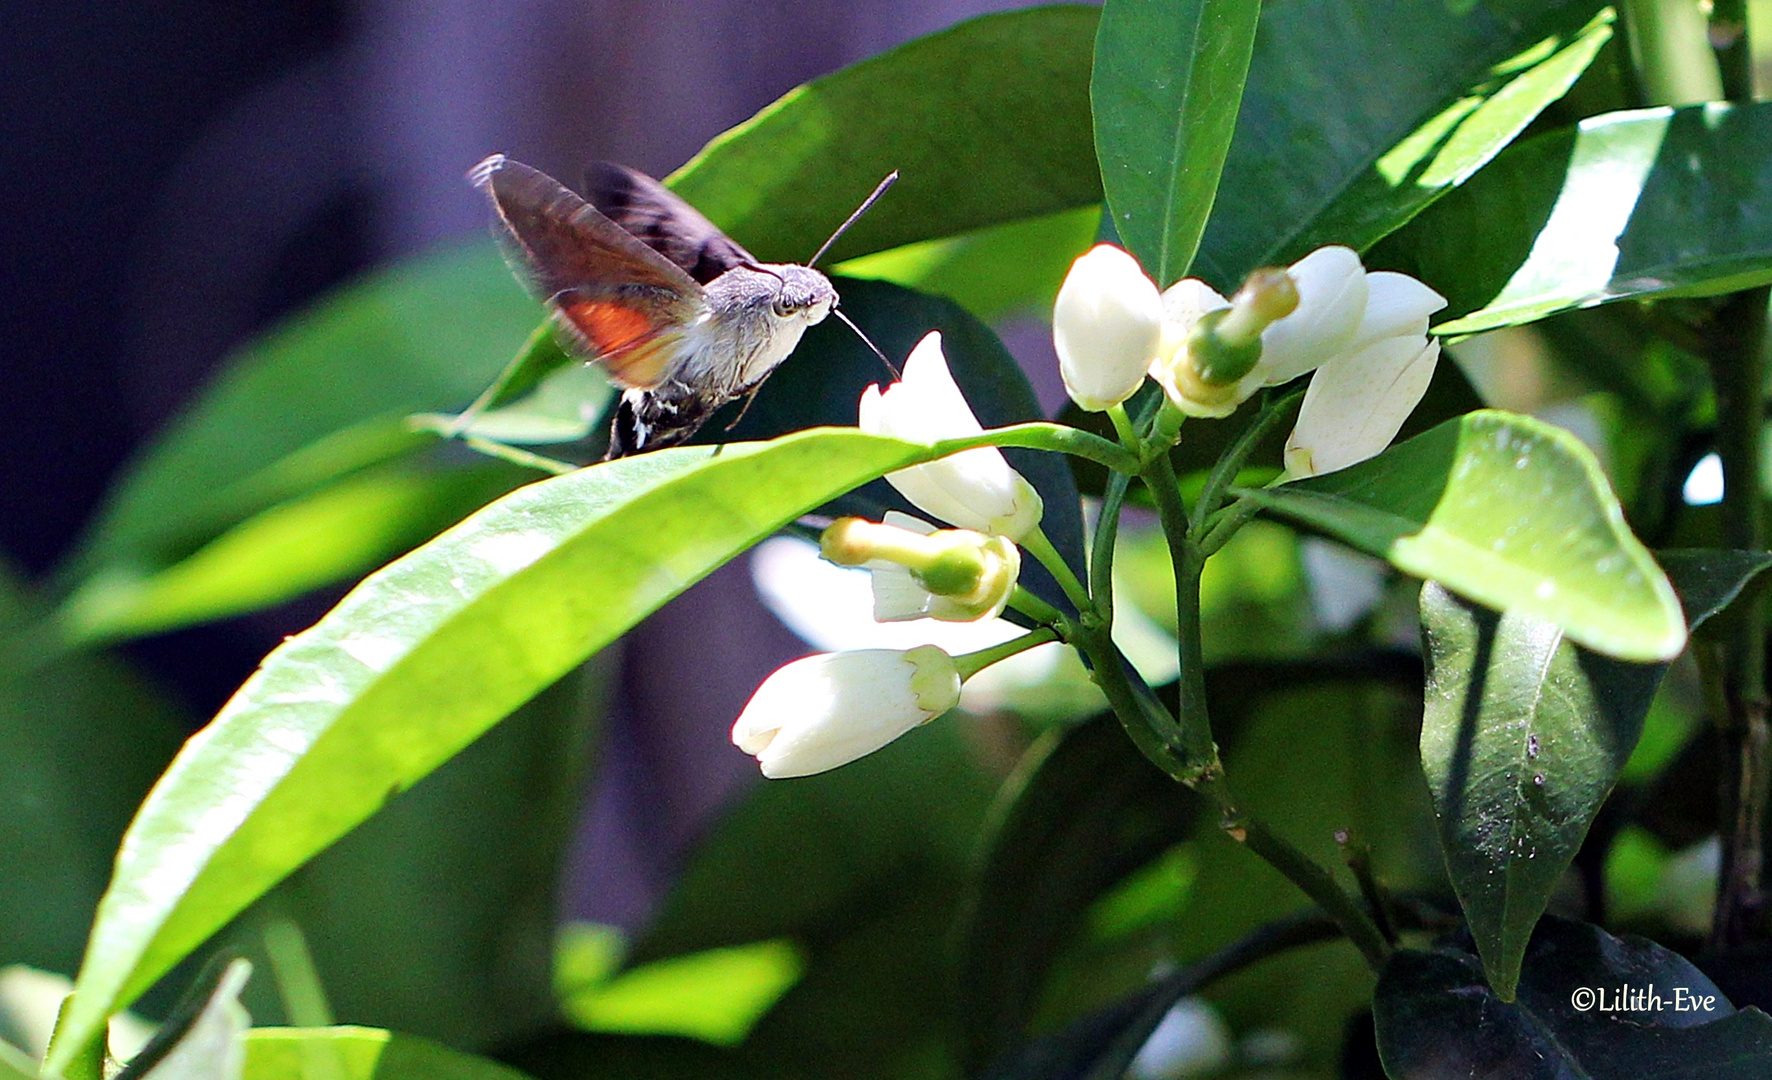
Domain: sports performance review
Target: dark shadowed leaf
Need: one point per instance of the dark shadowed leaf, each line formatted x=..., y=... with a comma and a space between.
x=1709, y=579
x=1436, y=1018
x=1083, y=810
x=1523, y=737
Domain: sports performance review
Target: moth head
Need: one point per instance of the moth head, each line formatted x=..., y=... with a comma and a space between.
x=804, y=294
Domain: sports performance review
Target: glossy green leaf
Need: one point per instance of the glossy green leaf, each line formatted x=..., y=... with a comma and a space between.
x=422, y=658
x=360, y=1053
x=1709, y=579
x=1357, y=116
x=993, y=272
x=1083, y=810
x=83, y=738
x=1435, y=1018
x=716, y=995
x=986, y=122
x=323, y=395
x=436, y=916
x=1168, y=78
x=331, y=534
x=1510, y=511
x=862, y=869
x=1653, y=202
x=1523, y=737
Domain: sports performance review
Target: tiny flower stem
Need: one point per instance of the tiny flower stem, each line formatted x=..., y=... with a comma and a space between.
x=970, y=664
x=1165, y=431
x=1274, y=411
x=1220, y=527
x=517, y=456
x=1041, y=548
x=1035, y=608
x=1058, y=438
x=1124, y=429
x=1101, y=554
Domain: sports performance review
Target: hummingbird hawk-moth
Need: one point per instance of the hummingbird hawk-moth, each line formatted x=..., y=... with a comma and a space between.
x=677, y=314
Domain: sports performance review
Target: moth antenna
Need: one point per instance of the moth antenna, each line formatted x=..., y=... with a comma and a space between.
x=891, y=178
x=865, y=340
x=761, y=269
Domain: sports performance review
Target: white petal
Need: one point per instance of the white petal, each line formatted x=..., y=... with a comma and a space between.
x=1396, y=305
x=1357, y=403
x=1331, y=301
x=974, y=489
x=1106, y=325
x=1188, y=299
x=897, y=595
x=825, y=711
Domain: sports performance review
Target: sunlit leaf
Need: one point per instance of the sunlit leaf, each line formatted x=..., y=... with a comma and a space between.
x=418, y=661
x=1510, y=511
x=1653, y=202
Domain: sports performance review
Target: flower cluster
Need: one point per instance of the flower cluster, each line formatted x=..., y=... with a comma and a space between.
x=823, y=711
x=1363, y=333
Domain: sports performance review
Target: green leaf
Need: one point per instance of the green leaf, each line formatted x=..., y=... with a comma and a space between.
x=1510, y=511
x=321, y=396
x=1435, y=1017
x=1709, y=579
x=1168, y=78
x=436, y=916
x=862, y=868
x=360, y=1053
x=1357, y=116
x=83, y=738
x=993, y=272
x=1653, y=202
x=716, y=995
x=422, y=658
x=332, y=533
x=1083, y=810
x=1523, y=737
x=987, y=122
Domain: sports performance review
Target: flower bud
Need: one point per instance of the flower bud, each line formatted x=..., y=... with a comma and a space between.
x=824, y=711
x=974, y=489
x=955, y=575
x=1357, y=403
x=1106, y=326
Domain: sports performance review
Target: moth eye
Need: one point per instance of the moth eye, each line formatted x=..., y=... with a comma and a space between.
x=785, y=308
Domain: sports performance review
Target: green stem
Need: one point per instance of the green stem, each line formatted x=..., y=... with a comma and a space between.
x=1731, y=38
x=1273, y=412
x=1670, y=52
x=1041, y=548
x=517, y=456
x=972, y=663
x=1738, y=373
x=1058, y=438
x=1035, y=608
x=1124, y=429
x=1101, y=554
x=1185, y=558
x=1316, y=883
x=297, y=979
x=1220, y=527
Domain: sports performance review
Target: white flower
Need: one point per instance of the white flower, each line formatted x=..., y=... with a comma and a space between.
x=1106, y=326
x=1357, y=403
x=213, y=1047
x=1332, y=297
x=974, y=489
x=824, y=711
x=899, y=596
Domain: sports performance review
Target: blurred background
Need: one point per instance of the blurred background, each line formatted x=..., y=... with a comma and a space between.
x=187, y=172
